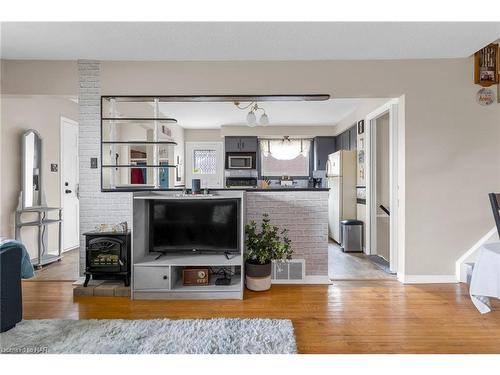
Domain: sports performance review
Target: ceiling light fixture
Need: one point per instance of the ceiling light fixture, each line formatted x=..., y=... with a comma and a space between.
x=251, y=115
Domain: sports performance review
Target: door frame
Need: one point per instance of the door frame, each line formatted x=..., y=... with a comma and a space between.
x=188, y=159
x=67, y=120
x=392, y=107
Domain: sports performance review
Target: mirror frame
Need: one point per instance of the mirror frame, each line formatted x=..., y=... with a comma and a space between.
x=24, y=160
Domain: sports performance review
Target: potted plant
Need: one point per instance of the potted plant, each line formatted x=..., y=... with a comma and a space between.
x=262, y=247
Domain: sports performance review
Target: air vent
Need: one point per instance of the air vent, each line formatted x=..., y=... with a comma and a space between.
x=290, y=271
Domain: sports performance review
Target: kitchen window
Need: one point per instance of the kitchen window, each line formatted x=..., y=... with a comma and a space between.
x=205, y=162
x=285, y=157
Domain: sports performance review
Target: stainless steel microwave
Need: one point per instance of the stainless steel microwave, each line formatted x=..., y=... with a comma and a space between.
x=240, y=162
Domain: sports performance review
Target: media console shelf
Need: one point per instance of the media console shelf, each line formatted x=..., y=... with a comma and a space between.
x=160, y=277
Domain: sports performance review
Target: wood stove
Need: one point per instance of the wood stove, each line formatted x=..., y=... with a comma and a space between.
x=107, y=256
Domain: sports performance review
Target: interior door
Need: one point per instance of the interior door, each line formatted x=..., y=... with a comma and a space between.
x=205, y=161
x=69, y=184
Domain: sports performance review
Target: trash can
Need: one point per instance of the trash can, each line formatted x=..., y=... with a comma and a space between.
x=351, y=235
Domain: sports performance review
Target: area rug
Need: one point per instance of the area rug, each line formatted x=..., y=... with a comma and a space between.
x=117, y=336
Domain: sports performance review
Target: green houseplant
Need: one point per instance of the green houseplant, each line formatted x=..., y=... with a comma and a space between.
x=263, y=246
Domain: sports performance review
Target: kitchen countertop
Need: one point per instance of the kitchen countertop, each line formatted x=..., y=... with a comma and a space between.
x=281, y=189
x=274, y=189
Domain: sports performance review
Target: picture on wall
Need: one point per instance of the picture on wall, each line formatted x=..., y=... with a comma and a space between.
x=486, y=65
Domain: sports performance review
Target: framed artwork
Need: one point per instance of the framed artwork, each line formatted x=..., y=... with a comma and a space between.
x=486, y=64
x=361, y=126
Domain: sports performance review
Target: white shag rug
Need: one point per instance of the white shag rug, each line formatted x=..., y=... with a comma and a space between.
x=118, y=336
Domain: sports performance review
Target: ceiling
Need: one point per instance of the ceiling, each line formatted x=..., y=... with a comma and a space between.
x=244, y=41
x=216, y=114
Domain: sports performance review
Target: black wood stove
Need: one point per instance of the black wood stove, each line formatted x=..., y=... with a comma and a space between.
x=107, y=256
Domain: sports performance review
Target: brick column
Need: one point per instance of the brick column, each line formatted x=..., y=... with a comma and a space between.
x=95, y=207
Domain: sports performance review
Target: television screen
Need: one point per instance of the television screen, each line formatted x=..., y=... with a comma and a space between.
x=205, y=225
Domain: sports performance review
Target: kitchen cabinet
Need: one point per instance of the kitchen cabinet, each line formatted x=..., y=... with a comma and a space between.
x=347, y=139
x=240, y=144
x=323, y=146
x=343, y=141
x=353, y=135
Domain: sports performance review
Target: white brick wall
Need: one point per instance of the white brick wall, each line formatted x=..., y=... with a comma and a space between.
x=305, y=214
x=95, y=207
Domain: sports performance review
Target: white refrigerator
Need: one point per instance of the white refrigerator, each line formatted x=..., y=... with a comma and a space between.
x=341, y=180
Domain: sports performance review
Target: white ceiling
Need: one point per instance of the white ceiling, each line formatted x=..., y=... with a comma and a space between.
x=244, y=41
x=216, y=114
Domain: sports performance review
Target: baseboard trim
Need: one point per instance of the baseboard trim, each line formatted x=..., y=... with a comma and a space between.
x=428, y=279
x=311, y=279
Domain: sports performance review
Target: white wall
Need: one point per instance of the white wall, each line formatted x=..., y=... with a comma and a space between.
x=451, y=142
x=20, y=113
x=202, y=135
x=363, y=108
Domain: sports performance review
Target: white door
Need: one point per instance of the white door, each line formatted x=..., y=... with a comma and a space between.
x=69, y=184
x=205, y=161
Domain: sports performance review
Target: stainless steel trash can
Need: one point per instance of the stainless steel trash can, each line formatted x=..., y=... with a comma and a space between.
x=351, y=235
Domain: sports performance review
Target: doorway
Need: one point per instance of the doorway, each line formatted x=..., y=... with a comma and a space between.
x=205, y=161
x=382, y=186
x=69, y=184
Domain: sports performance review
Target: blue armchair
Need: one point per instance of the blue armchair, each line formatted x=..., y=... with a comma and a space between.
x=14, y=264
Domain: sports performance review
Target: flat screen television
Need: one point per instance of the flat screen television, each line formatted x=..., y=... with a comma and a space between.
x=194, y=225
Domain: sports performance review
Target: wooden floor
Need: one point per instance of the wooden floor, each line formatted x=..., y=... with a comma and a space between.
x=347, y=317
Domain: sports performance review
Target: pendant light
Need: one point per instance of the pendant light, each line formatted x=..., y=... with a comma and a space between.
x=251, y=115
x=264, y=120
x=251, y=119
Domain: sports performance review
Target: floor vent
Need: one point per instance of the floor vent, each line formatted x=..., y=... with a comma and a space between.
x=290, y=271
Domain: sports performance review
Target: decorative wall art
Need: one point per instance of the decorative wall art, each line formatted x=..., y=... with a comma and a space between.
x=486, y=64
x=485, y=96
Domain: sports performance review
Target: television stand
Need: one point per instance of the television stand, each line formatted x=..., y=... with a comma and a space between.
x=159, y=276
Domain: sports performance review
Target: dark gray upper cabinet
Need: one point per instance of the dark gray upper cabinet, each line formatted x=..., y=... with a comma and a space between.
x=348, y=139
x=353, y=134
x=248, y=144
x=323, y=146
x=344, y=140
x=240, y=144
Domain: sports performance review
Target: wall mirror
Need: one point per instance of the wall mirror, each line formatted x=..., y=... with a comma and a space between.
x=32, y=169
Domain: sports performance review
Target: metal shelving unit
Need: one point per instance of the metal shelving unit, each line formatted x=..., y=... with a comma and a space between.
x=155, y=167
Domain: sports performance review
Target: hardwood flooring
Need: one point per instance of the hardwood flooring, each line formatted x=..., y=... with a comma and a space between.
x=347, y=317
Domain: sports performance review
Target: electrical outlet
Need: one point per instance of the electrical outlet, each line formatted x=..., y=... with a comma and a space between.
x=93, y=163
x=53, y=167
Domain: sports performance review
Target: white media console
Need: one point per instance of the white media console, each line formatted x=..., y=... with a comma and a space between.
x=156, y=277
